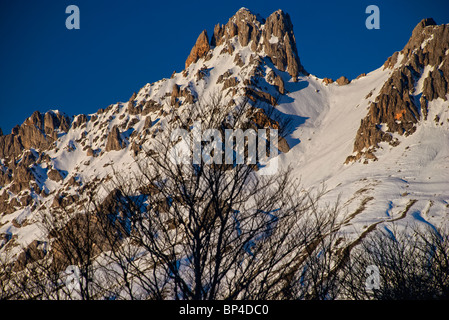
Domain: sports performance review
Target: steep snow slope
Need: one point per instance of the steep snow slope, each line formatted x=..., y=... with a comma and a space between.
x=412, y=177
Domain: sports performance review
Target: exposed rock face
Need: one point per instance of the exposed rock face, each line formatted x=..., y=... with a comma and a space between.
x=274, y=36
x=90, y=152
x=22, y=177
x=199, y=50
x=39, y=131
x=62, y=248
x=229, y=83
x=243, y=24
x=280, y=43
x=419, y=34
x=283, y=145
x=35, y=251
x=134, y=109
x=5, y=177
x=114, y=140
x=398, y=107
x=279, y=83
x=54, y=121
x=328, y=80
x=261, y=121
x=174, y=94
x=257, y=95
x=10, y=145
x=54, y=175
x=437, y=83
x=342, y=81
x=276, y=80
x=150, y=106
x=391, y=61
x=80, y=120
x=394, y=107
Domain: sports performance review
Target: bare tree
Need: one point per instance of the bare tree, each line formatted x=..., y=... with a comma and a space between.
x=412, y=263
x=7, y=281
x=66, y=268
x=193, y=229
x=215, y=230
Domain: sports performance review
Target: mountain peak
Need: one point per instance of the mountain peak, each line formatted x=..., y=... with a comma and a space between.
x=424, y=31
x=424, y=23
x=272, y=37
x=54, y=164
x=243, y=9
x=245, y=14
x=420, y=74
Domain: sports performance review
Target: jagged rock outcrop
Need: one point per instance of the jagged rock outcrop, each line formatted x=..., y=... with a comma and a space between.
x=342, y=81
x=133, y=108
x=260, y=96
x=5, y=176
x=398, y=107
x=230, y=83
x=90, y=152
x=54, y=121
x=10, y=145
x=55, y=175
x=243, y=24
x=39, y=131
x=280, y=43
x=22, y=178
x=150, y=106
x=114, y=141
x=199, y=50
x=79, y=121
x=260, y=120
x=394, y=111
x=174, y=94
x=35, y=251
x=274, y=36
x=276, y=80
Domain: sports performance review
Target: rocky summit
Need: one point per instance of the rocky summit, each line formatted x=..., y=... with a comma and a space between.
x=420, y=73
x=379, y=142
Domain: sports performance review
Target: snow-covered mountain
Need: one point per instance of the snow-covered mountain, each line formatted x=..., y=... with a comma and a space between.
x=379, y=142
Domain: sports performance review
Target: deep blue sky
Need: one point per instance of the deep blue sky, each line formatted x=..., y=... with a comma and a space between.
x=122, y=45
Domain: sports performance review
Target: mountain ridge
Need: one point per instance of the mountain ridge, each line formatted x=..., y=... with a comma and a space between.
x=52, y=161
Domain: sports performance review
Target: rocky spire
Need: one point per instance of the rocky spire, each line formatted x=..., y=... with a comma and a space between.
x=273, y=36
x=280, y=44
x=199, y=50
x=114, y=141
